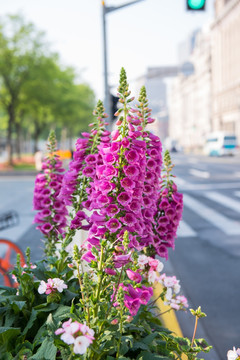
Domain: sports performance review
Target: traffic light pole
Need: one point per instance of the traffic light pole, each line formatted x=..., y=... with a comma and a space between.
x=106, y=10
x=105, y=64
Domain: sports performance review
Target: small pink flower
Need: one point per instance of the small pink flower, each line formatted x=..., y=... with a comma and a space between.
x=88, y=256
x=115, y=134
x=110, y=271
x=134, y=276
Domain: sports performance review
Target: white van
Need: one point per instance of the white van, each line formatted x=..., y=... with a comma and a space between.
x=220, y=144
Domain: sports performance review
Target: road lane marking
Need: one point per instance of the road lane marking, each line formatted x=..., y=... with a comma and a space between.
x=213, y=186
x=228, y=226
x=185, y=230
x=237, y=174
x=180, y=181
x=223, y=200
x=199, y=173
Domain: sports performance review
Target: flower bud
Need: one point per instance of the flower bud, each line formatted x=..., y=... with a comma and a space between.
x=129, y=318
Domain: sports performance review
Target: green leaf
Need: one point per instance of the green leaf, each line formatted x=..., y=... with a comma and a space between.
x=149, y=338
x=7, y=334
x=202, y=345
x=146, y=355
x=62, y=312
x=124, y=348
x=47, y=351
x=18, y=305
x=46, y=307
x=6, y=356
x=9, y=318
x=31, y=321
x=4, y=329
x=140, y=345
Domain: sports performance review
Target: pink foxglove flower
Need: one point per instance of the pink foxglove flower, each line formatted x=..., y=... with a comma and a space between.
x=134, y=276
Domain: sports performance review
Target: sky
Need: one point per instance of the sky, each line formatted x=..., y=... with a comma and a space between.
x=139, y=36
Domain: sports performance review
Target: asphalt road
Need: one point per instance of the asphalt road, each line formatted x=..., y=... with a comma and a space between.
x=207, y=253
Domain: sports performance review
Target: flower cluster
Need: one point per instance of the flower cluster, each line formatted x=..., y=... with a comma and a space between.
x=169, y=211
x=51, y=286
x=76, y=334
x=52, y=211
x=135, y=297
x=151, y=267
x=171, y=288
x=117, y=193
x=82, y=169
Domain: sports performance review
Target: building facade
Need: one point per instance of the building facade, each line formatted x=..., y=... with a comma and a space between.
x=209, y=99
x=226, y=67
x=190, y=98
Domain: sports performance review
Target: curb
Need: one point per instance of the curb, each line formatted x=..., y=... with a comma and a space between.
x=18, y=173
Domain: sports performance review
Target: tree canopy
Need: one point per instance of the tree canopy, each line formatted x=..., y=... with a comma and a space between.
x=36, y=92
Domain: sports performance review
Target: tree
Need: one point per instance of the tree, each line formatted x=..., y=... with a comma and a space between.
x=20, y=46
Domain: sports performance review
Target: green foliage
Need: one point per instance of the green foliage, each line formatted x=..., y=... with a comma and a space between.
x=35, y=91
x=28, y=319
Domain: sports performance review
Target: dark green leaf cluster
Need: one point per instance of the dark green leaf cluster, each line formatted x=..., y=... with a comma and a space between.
x=28, y=319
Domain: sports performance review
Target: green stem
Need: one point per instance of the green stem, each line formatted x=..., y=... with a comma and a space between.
x=100, y=278
x=121, y=330
x=81, y=286
x=70, y=357
x=111, y=305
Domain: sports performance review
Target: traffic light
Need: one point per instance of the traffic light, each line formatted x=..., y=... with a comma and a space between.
x=196, y=5
x=113, y=105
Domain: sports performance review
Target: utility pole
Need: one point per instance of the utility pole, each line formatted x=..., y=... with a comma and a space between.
x=105, y=11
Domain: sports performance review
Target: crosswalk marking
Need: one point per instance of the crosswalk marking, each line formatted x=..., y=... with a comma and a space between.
x=229, y=227
x=237, y=193
x=199, y=173
x=223, y=200
x=185, y=230
x=200, y=187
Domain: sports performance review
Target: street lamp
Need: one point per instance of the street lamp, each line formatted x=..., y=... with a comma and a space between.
x=106, y=10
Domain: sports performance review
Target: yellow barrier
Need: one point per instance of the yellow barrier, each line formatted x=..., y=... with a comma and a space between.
x=169, y=318
x=64, y=154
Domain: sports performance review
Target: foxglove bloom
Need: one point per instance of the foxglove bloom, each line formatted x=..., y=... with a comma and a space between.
x=52, y=215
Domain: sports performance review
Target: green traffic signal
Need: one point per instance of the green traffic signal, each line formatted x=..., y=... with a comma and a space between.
x=196, y=4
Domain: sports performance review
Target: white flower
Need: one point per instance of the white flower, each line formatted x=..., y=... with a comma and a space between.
x=81, y=344
x=42, y=287
x=67, y=338
x=142, y=261
x=233, y=354
x=168, y=295
x=174, y=304
x=152, y=277
x=169, y=281
x=160, y=266
x=176, y=288
x=59, y=284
